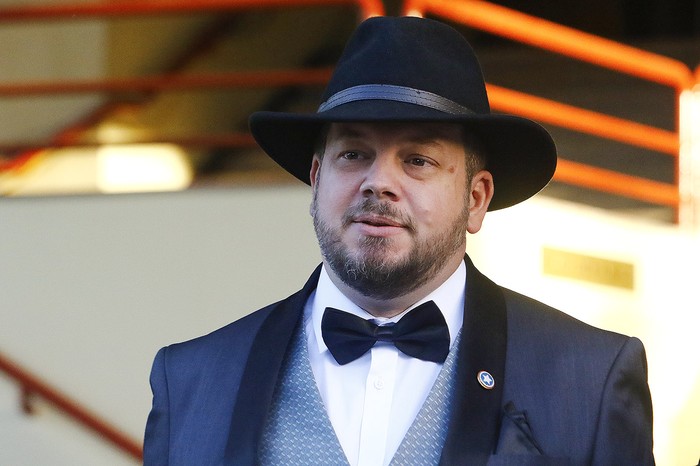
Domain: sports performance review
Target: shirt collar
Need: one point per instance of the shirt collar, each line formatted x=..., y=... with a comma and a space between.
x=449, y=297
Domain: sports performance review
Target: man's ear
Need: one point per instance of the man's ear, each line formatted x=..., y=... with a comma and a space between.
x=480, y=194
x=313, y=178
x=315, y=167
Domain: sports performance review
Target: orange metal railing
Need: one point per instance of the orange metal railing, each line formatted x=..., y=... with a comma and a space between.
x=268, y=78
x=159, y=7
x=32, y=386
x=540, y=33
x=240, y=79
x=602, y=125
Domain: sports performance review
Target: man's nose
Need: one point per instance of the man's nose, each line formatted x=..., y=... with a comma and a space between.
x=382, y=178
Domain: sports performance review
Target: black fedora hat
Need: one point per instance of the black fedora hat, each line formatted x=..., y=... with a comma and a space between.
x=414, y=69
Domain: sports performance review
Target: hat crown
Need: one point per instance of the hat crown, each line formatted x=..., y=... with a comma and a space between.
x=414, y=53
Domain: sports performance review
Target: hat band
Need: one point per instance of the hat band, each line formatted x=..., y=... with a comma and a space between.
x=396, y=93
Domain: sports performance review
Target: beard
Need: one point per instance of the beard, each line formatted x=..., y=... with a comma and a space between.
x=375, y=270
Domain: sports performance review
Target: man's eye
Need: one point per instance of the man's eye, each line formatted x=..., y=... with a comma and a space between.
x=417, y=161
x=350, y=155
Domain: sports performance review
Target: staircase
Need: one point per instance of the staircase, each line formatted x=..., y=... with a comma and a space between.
x=48, y=438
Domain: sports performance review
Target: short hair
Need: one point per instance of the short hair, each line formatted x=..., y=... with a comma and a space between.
x=475, y=152
x=321, y=139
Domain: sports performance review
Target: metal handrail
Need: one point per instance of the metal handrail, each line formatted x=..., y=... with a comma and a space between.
x=220, y=140
x=563, y=40
x=579, y=119
x=159, y=7
x=175, y=81
x=237, y=79
x=617, y=129
x=32, y=385
x=600, y=179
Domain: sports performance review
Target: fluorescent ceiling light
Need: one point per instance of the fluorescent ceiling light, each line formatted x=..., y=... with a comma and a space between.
x=142, y=168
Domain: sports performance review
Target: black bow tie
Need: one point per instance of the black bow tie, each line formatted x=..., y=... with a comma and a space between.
x=422, y=333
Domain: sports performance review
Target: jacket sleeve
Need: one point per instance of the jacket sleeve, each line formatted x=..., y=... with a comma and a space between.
x=157, y=437
x=624, y=434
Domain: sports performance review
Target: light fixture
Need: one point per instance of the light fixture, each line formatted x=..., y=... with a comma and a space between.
x=142, y=168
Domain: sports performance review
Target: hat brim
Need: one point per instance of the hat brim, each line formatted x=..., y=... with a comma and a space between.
x=520, y=153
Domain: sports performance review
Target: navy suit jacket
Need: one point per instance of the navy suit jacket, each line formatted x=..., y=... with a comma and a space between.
x=565, y=392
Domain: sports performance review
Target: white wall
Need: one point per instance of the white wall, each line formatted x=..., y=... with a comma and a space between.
x=91, y=287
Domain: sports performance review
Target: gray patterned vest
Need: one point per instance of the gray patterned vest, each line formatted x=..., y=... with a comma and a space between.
x=299, y=432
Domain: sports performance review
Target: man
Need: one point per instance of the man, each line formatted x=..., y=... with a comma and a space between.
x=397, y=350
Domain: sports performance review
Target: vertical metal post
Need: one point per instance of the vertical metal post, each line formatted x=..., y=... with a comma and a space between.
x=689, y=158
x=26, y=398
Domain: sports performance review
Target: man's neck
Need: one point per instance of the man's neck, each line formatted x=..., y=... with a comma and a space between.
x=388, y=308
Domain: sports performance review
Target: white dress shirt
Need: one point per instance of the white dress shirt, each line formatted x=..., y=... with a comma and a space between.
x=372, y=401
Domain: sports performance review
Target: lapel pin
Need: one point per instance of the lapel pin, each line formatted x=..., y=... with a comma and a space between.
x=485, y=380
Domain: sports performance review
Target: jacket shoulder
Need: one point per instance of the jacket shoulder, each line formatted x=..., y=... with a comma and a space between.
x=226, y=346
x=239, y=335
x=544, y=321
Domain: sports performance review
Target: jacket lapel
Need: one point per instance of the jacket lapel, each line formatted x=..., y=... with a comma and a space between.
x=476, y=411
x=260, y=376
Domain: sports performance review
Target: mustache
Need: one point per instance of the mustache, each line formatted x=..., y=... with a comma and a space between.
x=382, y=209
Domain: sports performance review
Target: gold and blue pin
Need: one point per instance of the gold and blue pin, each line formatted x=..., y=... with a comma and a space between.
x=485, y=380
